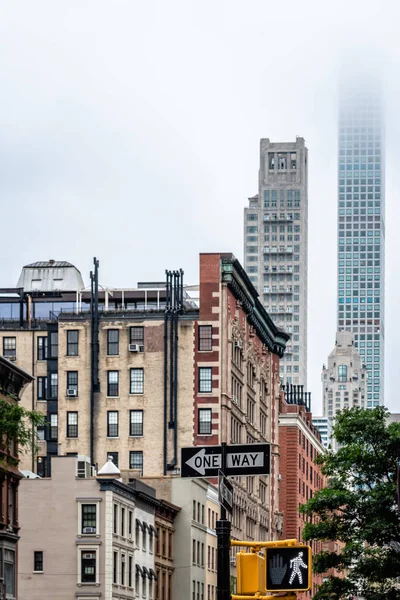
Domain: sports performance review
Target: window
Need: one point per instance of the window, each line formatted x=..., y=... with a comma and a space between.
x=205, y=338
x=114, y=456
x=205, y=419
x=72, y=383
x=9, y=346
x=112, y=383
x=205, y=379
x=72, y=424
x=9, y=571
x=130, y=571
x=72, y=343
x=137, y=336
x=136, y=460
x=123, y=563
x=137, y=381
x=122, y=522
x=113, y=342
x=38, y=561
x=112, y=423
x=54, y=344
x=88, y=566
x=115, y=519
x=41, y=388
x=53, y=385
x=53, y=427
x=115, y=567
x=42, y=348
x=88, y=518
x=136, y=423
x=342, y=372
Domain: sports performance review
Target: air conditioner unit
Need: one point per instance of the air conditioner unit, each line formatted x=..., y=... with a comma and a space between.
x=134, y=348
x=233, y=560
x=123, y=559
x=84, y=469
x=89, y=530
x=72, y=393
x=89, y=555
x=13, y=358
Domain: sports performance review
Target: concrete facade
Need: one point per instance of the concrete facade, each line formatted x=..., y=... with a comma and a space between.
x=345, y=378
x=113, y=558
x=276, y=246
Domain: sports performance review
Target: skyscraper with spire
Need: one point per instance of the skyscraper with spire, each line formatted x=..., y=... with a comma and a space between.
x=361, y=225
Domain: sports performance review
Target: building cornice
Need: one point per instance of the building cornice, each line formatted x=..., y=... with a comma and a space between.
x=233, y=274
x=292, y=420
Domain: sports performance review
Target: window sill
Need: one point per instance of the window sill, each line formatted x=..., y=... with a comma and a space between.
x=113, y=437
x=136, y=436
x=86, y=583
x=136, y=394
x=41, y=400
x=112, y=397
x=37, y=572
x=112, y=355
x=71, y=355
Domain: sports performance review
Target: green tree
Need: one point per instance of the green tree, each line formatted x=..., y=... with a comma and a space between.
x=19, y=424
x=358, y=509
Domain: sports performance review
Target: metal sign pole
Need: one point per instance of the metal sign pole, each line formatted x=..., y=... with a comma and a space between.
x=223, y=529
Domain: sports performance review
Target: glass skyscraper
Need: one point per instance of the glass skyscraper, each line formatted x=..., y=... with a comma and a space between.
x=361, y=227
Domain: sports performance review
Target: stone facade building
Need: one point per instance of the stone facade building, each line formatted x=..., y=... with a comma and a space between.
x=97, y=536
x=276, y=246
x=345, y=378
x=13, y=380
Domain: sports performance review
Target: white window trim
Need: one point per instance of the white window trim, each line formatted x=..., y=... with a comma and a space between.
x=87, y=548
x=95, y=501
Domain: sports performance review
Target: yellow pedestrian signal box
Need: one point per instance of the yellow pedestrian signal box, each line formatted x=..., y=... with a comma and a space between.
x=288, y=569
x=250, y=571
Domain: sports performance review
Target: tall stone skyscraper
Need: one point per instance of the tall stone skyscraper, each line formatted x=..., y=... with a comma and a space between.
x=361, y=226
x=275, y=246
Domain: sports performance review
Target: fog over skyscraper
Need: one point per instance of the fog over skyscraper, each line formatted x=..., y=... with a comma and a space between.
x=361, y=224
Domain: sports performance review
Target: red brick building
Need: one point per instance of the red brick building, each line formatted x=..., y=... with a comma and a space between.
x=12, y=382
x=299, y=445
x=237, y=385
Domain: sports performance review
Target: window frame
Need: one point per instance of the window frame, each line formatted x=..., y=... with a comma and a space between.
x=81, y=578
x=73, y=386
x=132, y=382
x=42, y=347
x=38, y=560
x=131, y=424
x=112, y=383
x=139, y=339
x=71, y=344
x=139, y=453
x=41, y=388
x=202, y=380
x=11, y=351
x=206, y=347
x=53, y=427
x=52, y=388
x=72, y=427
x=109, y=424
x=52, y=348
x=112, y=344
x=83, y=517
x=204, y=411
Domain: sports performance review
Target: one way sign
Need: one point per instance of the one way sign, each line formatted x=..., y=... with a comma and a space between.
x=246, y=459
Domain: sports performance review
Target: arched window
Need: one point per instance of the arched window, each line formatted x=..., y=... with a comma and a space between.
x=342, y=372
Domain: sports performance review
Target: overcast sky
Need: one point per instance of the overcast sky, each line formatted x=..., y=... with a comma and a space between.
x=130, y=131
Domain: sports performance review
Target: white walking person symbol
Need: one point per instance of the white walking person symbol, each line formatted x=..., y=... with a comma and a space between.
x=297, y=564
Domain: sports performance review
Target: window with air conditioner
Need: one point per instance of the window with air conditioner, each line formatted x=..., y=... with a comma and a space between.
x=88, y=566
x=136, y=339
x=89, y=518
x=72, y=384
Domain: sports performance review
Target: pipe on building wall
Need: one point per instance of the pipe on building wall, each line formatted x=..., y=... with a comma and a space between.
x=172, y=354
x=91, y=370
x=166, y=369
x=33, y=402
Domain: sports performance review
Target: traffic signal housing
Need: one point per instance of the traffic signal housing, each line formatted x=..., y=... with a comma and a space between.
x=288, y=569
x=250, y=571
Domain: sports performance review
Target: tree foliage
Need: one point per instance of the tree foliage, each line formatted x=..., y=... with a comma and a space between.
x=358, y=509
x=19, y=424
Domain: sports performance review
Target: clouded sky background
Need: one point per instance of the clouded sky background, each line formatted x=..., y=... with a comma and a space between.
x=130, y=131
